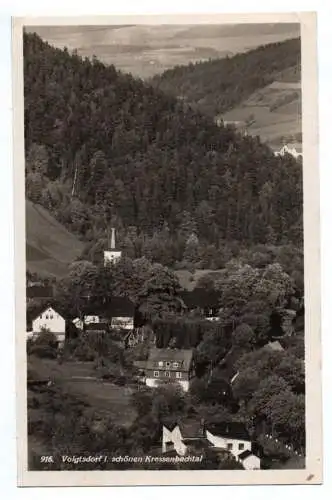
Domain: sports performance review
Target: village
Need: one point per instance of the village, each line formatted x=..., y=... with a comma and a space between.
x=165, y=364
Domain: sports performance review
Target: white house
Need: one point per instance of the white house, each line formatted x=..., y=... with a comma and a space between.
x=49, y=320
x=122, y=323
x=228, y=442
x=112, y=256
x=87, y=320
x=288, y=150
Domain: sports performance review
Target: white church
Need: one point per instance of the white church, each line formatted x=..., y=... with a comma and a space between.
x=112, y=256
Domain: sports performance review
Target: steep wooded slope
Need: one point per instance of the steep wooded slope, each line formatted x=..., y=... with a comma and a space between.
x=105, y=148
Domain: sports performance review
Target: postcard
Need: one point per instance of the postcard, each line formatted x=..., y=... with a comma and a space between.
x=167, y=250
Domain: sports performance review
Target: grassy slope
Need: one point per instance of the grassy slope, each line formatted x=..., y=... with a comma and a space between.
x=49, y=246
x=275, y=109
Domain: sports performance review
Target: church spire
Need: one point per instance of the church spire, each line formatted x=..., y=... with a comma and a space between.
x=113, y=239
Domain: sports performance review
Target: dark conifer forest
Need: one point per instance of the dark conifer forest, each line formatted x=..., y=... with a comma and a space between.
x=104, y=148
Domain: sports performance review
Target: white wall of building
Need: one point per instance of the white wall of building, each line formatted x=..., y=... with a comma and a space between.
x=251, y=463
x=175, y=437
x=154, y=382
x=111, y=256
x=122, y=323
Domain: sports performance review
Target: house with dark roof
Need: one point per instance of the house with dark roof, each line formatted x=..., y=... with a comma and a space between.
x=230, y=437
x=167, y=366
x=119, y=314
x=203, y=301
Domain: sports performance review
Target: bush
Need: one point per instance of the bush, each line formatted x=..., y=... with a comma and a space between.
x=44, y=346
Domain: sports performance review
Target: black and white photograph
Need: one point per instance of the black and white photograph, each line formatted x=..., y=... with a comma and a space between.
x=165, y=324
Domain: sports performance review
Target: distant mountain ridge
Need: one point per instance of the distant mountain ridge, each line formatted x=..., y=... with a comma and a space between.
x=146, y=50
x=261, y=88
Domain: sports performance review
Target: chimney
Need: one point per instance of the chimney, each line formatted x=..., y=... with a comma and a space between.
x=113, y=239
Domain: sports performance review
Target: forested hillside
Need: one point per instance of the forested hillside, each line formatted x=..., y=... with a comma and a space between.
x=217, y=86
x=104, y=148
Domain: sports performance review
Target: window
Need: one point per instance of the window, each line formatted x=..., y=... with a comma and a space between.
x=51, y=316
x=229, y=446
x=178, y=375
x=175, y=364
x=156, y=374
x=168, y=364
x=241, y=446
x=46, y=316
x=167, y=374
x=160, y=363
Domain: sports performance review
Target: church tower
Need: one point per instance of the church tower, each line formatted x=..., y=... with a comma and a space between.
x=112, y=256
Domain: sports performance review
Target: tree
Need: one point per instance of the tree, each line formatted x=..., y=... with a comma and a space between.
x=246, y=384
x=243, y=337
x=159, y=294
x=260, y=404
x=76, y=290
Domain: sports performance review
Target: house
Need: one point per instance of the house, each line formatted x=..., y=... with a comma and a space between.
x=203, y=302
x=170, y=366
x=289, y=150
x=88, y=319
x=113, y=255
x=48, y=319
x=231, y=437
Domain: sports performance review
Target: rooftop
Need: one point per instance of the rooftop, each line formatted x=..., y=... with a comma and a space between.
x=245, y=454
x=232, y=430
x=183, y=356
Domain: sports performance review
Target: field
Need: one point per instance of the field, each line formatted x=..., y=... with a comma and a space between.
x=273, y=112
x=147, y=50
x=50, y=248
x=79, y=379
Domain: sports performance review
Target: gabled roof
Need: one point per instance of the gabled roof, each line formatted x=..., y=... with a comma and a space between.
x=182, y=356
x=96, y=327
x=231, y=430
x=37, y=311
x=200, y=297
x=117, y=307
x=189, y=428
x=245, y=454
